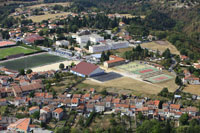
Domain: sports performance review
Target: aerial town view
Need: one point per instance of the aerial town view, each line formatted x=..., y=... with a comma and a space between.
x=99, y=66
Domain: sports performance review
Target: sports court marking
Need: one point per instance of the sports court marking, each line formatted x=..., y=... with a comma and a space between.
x=159, y=78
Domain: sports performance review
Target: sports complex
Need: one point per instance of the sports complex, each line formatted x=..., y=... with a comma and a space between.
x=145, y=72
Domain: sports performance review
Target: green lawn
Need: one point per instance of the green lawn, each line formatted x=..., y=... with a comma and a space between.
x=32, y=61
x=14, y=50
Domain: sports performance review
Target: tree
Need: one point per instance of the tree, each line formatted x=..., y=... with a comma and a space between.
x=104, y=92
x=166, y=54
x=29, y=71
x=140, y=116
x=32, y=94
x=54, y=93
x=108, y=54
x=164, y=92
x=103, y=57
x=113, y=122
x=36, y=115
x=61, y=66
x=72, y=64
x=178, y=81
x=21, y=72
x=149, y=126
x=43, y=124
x=62, y=130
x=88, y=44
x=184, y=119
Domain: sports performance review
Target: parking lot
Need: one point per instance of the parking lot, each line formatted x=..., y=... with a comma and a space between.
x=107, y=77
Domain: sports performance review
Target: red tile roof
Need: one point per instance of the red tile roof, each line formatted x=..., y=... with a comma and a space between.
x=175, y=106
x=21, y=124
x=58, y=110
x=84, y=68
x=74, y=100
x=33, y=108
x=32, y=38
x=116, y=59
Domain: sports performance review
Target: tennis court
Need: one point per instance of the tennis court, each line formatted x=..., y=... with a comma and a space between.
x=158, y=78
x=145, y=72
x=139, y=68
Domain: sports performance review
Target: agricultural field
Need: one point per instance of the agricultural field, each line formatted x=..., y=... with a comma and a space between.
x=4, y=52
x=32, y=61
x=161, y=46
x=47, y=16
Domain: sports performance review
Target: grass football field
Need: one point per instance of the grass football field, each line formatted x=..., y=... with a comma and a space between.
x=32, y=61
x=4, y=52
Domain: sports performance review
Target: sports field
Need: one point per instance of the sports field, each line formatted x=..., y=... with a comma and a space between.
x=141, y=70
x=138, y=68
x=32, y=61
x=4, y=52
x=159, y=78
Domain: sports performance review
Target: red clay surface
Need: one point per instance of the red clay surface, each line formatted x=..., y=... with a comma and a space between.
x=160, y=78
x=6, y=43
x=145, y=71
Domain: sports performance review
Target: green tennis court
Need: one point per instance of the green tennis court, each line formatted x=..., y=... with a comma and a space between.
x=159, y=78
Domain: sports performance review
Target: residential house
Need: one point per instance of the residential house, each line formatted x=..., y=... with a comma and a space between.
x=20, y=126
x=58, y=114
x=3, y=102
x=184, y=58
x=33, y=109
x=175, y=107
x=90, y=107
x=191, y=80
x=45, y=114
x=114, y=61
x=75, y=102
x=100, y=107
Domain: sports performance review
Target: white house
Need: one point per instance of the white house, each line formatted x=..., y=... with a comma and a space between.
x=119, y=44
x=75, y=102
x=82, y=39
x=98, y=48
x=96, y=38
x=62, y=43
x=100, y=107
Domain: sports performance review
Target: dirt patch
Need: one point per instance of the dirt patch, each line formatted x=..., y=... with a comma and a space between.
x=193, y=89
x=161, y=46
x=47, y=16
x=125, y=84
x=67, y=4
